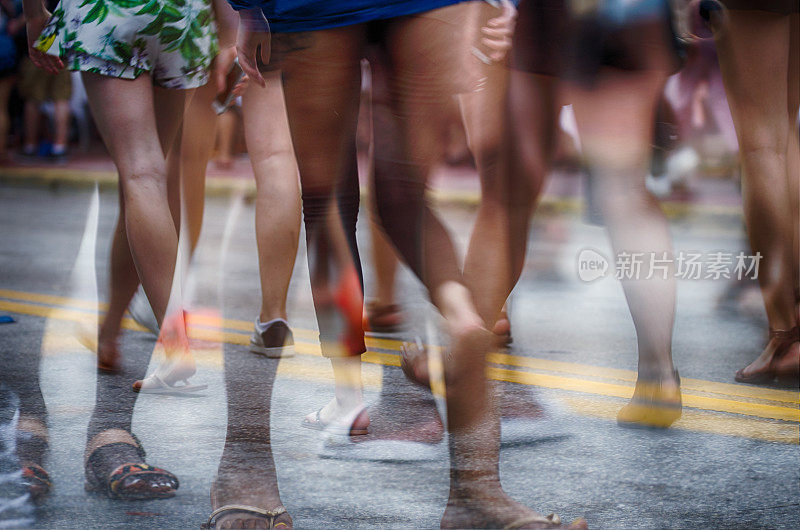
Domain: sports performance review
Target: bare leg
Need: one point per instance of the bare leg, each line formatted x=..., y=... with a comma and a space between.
x=793, y=147
x=616, y=119
x=5, y=91
x=424, y=64
x=62, y=115
x=246, y=473
x=278, y=200
x=755, y=60
x=31, y=118
x=225, y=133
x=138, y=124
x=199, y=125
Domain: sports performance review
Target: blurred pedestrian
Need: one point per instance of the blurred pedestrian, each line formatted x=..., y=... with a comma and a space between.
x=11, y=25
x=611, y=61
x=427, y=50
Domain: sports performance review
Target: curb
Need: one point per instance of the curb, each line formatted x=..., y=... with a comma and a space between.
x=227, y=186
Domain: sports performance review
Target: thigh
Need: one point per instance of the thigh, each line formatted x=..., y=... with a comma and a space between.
x=266, y=125
x=321, y=82
x=615, y=118
x=433, y=57
x=125, y=115
x=169, y=106
x=754, y=56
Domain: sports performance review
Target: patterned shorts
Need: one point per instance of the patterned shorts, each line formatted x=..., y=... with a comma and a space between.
x=174, y=40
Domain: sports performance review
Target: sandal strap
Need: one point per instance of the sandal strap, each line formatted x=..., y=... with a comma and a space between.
x=552, y=519
x=126, y=470
x=33, y=426
x=785, y=334
x=275, y=512
x=110, y=437
x=36, y=472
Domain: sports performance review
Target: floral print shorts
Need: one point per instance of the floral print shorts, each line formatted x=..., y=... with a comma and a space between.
x=173, y=40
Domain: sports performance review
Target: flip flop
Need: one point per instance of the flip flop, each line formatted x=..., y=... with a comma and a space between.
x=269, y=515
x=155, y=385
x=342, y=427
x=551, y=521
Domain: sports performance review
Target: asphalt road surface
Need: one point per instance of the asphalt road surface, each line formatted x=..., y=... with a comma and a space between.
x=730, y=462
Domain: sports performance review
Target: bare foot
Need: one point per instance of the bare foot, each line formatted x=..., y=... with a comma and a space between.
x=108, y=357
x=405, y=418
x=414, y=363
x=787, y=368
x=765, y=368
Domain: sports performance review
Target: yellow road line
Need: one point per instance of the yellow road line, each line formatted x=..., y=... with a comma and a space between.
x=629, y=376
x=700, y=421
x=547, y=380
x=692, y=420
x=771, y=394
x=621, y=391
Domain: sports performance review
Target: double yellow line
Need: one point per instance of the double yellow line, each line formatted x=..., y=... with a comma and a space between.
x=720, y=408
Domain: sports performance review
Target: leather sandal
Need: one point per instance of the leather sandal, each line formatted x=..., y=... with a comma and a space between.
x=118, y=484
x=34, y=476
x=382, y=318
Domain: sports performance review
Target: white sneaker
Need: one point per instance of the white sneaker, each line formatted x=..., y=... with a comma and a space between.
x=142, y=313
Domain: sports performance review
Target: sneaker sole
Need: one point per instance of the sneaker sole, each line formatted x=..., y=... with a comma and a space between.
x=278, y=352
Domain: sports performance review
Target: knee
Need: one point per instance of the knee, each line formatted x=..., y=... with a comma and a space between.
x=762, y=141
x=144, y=177
x=274, y=166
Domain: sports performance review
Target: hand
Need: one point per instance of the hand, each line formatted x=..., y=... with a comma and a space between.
x=499, y=31
x=221, y=66
x=253, y=32
x=241, y=86
x=46, y=62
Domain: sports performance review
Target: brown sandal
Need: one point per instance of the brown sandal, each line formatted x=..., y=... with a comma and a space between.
x=34, y=476
x=382, y=318
x=114, y=485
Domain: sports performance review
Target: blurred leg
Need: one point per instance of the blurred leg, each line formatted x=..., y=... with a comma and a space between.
x=62, y=116
x=6, y=84
x=615, y=120
x=321, y=83
x=428, y=56
x=246, y=474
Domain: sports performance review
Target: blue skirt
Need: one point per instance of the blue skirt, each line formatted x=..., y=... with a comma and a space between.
x=288, y=16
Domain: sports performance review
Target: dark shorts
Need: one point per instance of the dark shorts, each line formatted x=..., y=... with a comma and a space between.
x=550, y=40
x=37, y=85
x=783, y=7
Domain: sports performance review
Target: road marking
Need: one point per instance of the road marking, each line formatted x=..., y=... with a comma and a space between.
x=208, y=329
x=699, y=421
x=629, y=376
